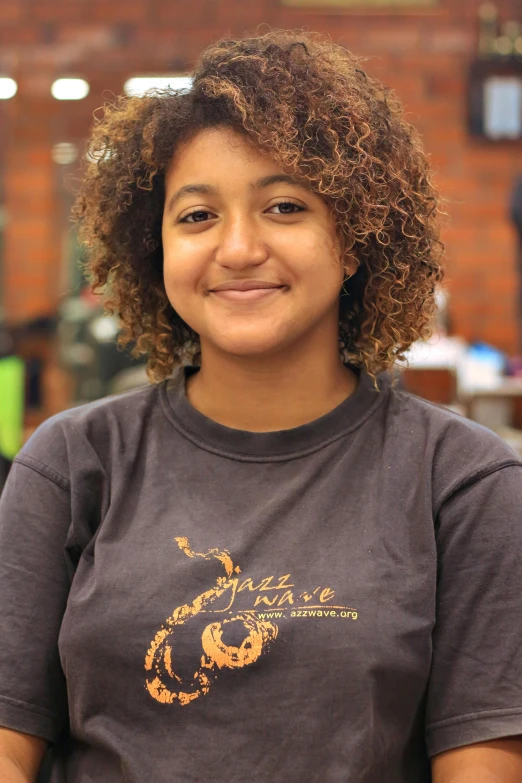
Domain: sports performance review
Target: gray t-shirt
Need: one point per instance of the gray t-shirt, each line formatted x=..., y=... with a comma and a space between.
x=181, y=601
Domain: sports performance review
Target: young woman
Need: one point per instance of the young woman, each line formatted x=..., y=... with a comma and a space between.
x=270, y=564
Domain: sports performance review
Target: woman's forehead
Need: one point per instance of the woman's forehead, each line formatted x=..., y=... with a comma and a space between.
x=223, y=159
x=215, y=145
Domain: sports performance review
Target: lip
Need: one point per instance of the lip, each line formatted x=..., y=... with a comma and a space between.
x=244, y=285
x=246, y=291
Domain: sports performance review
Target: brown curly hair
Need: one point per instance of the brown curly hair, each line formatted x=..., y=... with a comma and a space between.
x=312, y=107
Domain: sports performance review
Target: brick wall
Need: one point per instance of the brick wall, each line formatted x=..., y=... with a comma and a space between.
x=424, y=56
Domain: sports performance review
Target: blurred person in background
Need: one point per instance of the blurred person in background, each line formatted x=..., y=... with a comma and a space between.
x=6, y=345
x=269, y=564
x=12, y=393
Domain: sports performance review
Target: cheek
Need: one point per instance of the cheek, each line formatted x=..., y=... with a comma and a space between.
x=182, y=268
x=179, y=283
x=317, y=262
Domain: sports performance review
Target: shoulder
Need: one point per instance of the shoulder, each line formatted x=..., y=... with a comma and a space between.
x=91, y=431
x=442, y=425
x=458, y=451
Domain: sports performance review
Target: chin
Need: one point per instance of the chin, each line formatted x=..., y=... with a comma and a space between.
x=251, y=345
x=247, y=350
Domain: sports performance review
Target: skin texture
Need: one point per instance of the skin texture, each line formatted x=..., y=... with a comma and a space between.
x=20, y=756
x=499, y=761
x=255, y=345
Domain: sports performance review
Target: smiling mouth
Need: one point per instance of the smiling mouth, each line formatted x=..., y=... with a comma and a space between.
x=246, y=290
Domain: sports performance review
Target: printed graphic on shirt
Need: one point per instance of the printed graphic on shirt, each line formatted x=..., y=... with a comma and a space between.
x=271, y=598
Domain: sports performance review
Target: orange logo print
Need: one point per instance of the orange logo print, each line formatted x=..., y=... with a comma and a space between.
x=163, y=683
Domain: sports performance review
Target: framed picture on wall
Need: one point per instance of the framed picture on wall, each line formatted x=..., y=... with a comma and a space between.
x=495, y=99
x=362, y=5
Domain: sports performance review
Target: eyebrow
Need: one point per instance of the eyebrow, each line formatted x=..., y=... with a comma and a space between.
x=210, y=190
x=276, y=179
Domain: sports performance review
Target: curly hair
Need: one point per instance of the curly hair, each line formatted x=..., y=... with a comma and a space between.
x=310, y=105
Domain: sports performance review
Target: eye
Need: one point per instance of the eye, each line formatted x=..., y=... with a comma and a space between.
x=198, y=216
x=287, y=208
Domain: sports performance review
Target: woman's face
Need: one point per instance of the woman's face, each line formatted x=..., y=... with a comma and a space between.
x=251, y=258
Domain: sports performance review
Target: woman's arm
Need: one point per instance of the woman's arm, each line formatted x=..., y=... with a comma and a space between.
x=499, y=761
x=35, y=518
x=20, y=756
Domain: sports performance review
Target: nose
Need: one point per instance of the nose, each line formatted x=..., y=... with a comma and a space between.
x=240, y=244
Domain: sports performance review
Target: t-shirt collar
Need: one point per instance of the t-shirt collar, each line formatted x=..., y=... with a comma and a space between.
x=278, y=445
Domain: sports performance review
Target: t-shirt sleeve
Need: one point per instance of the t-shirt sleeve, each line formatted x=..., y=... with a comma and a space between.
x=475, y=690
x=34, y=584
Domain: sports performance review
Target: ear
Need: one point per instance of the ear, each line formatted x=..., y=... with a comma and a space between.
x=350, y=265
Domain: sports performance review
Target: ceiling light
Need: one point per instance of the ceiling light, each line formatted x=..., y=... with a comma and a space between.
x=64, y=153
x=70, y=89
x=139, y=85
x=8, y=87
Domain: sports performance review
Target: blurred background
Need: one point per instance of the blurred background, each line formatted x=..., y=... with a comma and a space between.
x=455, y=64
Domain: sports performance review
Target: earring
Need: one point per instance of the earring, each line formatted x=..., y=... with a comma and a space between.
x=344, y=291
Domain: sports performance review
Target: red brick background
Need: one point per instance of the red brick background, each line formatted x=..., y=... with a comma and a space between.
x=423, y=55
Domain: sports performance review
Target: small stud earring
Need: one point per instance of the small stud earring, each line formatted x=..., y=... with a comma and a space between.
x=344, y=291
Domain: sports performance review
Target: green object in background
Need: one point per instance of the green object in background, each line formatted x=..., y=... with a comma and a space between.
x=11, y=405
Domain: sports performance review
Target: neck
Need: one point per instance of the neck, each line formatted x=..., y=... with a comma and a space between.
x=264, y=394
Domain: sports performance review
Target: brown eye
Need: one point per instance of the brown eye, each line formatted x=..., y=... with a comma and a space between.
x=287, y=208
x=196, y=217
